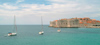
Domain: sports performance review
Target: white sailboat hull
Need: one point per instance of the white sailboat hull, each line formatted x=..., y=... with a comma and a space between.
x=12, y=34
x=41, y=33
x=58, y=31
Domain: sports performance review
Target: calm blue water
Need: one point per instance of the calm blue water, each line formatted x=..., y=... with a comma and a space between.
x=28, y=35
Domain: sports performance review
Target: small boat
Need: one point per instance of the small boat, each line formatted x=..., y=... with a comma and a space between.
x=58, y=30
x=15, y=27
x=42, y=32
x=12, y=34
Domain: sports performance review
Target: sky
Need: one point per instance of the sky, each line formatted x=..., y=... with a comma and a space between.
x=29, y=12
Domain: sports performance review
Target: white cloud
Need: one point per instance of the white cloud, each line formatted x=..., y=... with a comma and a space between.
x=58, y=1
x=18, y=1
x=95, y=15
x=6, y=6
x=54, y=9
x=62, y=1
x=30, y=13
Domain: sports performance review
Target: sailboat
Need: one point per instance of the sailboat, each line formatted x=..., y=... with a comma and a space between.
x=42, y=32
x=15, y=27
x=58, y=30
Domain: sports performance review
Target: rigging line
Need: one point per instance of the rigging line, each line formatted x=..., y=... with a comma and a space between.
x=42, y=23
x=15, y=23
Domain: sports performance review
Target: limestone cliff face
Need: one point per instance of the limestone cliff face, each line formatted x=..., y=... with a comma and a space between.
x=76, y=22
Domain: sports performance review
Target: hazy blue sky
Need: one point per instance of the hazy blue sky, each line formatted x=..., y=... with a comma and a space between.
x=30, y=11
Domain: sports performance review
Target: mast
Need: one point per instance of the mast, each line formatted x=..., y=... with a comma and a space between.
x=42, y=23
x=15, y=23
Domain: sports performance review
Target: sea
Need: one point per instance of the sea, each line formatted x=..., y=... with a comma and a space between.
x=29, y=35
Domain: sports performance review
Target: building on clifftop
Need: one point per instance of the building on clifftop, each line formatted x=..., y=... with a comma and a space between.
x=76, y=22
